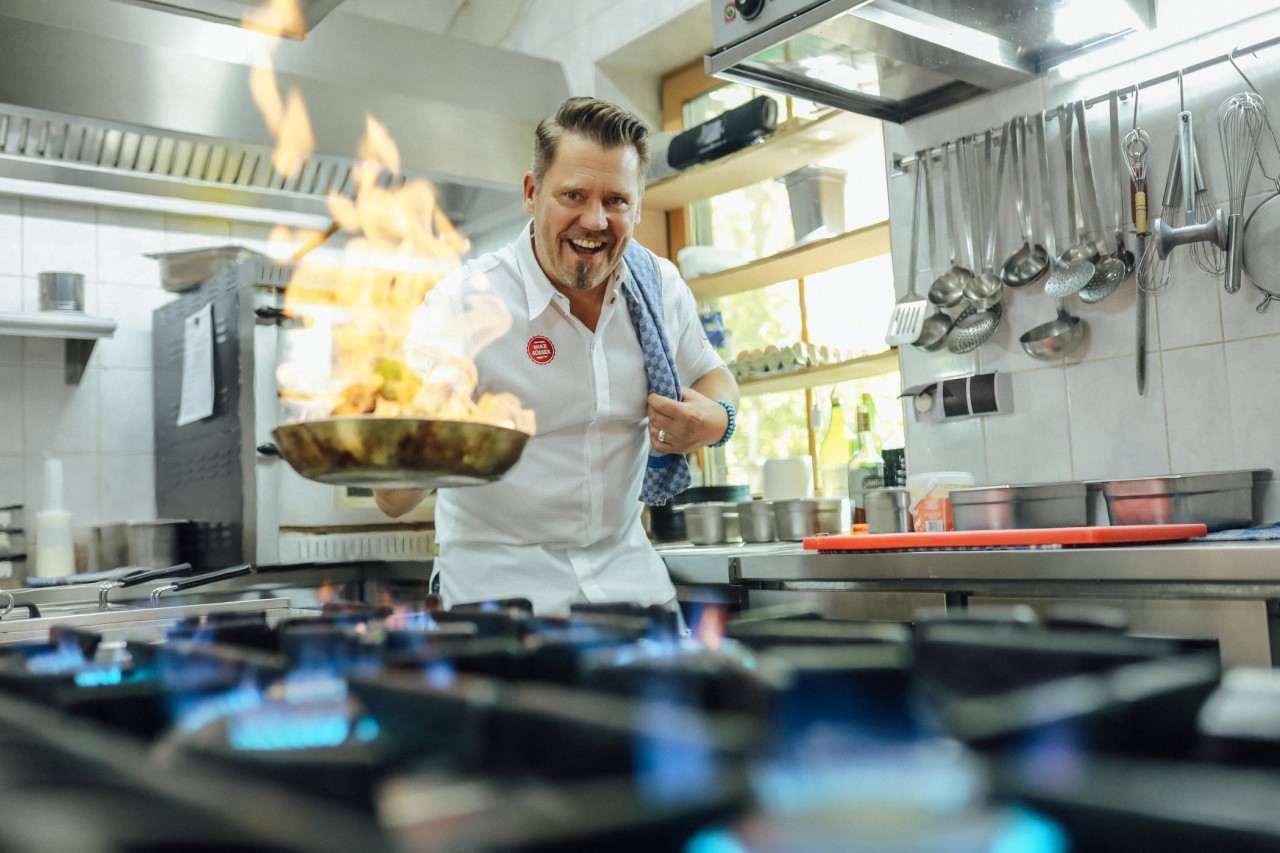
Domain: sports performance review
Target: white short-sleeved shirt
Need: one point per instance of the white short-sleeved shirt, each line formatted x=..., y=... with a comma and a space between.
x=564, y=524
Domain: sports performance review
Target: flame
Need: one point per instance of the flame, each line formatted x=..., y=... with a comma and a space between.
x=709, y=629
x=286, y=118
x=388, y=217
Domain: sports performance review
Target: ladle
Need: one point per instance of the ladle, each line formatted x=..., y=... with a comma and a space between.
x=1030, y=262
x=1108, y=271
x=985, y=290
x=933, y=332
x=948, y=289
x=1064, y=278
x=1055, y=339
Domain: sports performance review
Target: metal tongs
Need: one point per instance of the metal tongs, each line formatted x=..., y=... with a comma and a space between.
x=135, y=578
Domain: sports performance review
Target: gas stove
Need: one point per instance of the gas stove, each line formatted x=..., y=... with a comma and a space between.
x=400, y=726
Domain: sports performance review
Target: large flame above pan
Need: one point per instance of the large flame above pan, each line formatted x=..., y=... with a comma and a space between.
x=351, y=358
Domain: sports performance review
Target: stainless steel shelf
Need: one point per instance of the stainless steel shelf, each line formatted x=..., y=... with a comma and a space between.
x=80, y=331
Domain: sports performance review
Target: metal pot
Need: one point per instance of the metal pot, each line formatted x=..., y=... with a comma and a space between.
x=418, y=453
x=804, y=517
x=61, y=291
x=707, y=523
x=147, y=544
x=756, y=521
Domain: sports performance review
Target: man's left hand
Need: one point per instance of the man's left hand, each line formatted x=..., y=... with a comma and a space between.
x=682, y=427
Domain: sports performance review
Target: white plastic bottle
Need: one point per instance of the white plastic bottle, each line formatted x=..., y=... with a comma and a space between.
x=55, y=544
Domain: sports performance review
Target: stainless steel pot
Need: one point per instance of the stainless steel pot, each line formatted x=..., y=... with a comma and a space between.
x=707, y=523
x=803, y=517
x=756, y=521
x=61, y=291
x=887, y=509
x=146, y=544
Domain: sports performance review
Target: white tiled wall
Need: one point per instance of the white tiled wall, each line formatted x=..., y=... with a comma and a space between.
x=101, y=428
x=1211, y=399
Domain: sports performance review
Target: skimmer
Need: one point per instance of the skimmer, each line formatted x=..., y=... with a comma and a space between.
x=1064, y=278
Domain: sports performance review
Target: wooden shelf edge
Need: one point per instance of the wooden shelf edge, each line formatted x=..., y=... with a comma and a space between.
x=796, y=143
x=796, y=262
x=828, y=374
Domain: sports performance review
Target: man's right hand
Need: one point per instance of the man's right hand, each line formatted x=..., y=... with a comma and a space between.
x=397, y=502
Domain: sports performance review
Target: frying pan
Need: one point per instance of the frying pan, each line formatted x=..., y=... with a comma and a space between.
x=404, y=452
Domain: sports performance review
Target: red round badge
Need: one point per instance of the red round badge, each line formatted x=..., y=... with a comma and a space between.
x=541, y=350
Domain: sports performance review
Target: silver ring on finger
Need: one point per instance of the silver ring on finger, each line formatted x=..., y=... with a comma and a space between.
x=662, y=436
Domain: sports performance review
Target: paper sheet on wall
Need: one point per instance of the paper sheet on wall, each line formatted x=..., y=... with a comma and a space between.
x=197, y=367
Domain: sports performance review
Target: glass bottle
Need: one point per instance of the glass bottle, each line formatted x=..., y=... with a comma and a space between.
x=833, y=454
x=866, y=467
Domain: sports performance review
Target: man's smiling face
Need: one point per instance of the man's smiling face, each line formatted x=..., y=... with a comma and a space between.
x=584, y=210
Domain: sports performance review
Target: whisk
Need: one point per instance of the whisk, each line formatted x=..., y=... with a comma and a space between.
x=1155, y=273
x=1241, y=119
x=1206, y=256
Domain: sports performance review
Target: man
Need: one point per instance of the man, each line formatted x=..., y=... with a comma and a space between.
x=564, y=524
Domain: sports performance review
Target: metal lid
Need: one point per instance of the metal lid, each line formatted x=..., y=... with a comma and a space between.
x=1013, y=493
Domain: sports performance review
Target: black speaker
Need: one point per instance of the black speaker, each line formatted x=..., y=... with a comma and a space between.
x=724, y=134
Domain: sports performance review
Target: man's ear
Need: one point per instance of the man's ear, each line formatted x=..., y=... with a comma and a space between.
x=529, y=187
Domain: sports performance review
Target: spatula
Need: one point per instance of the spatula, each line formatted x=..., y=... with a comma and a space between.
x=907, y=320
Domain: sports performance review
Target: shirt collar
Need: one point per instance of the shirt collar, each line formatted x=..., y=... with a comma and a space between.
x=538, y=289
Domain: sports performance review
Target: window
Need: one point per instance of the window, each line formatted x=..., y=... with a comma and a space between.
x=845, y=310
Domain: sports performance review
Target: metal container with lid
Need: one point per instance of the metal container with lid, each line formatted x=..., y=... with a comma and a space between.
x=1220, y=500
x=1020, y=507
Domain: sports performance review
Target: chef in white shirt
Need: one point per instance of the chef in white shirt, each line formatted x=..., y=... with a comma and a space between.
x=563, y=526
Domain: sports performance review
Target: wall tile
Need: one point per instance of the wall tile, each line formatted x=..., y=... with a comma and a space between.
x=13, y=484
x=127, y=488
x=11, y=287
x=1255, y=407
x=11, y=351
x=1198, y=409
x=955, y=445
x=11, y=437
x=79, y=482
x=1189, y=307
x=125, y=411
x=124, y=239
x=57, y=236
x=57, y=417
x=1115, y=432
x=10, y=236
x=1023, y=446
x=131, y=308
x=194, y=232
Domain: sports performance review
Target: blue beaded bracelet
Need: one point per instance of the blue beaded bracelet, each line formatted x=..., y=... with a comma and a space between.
x=728, y=433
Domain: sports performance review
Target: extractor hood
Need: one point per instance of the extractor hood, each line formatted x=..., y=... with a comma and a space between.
x=124, y=104
x=294, y=20
x=899, y=59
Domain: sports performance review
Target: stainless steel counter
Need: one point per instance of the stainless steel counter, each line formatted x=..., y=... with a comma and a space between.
x=1226, y=590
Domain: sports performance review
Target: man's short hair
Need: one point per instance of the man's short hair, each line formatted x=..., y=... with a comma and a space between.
x=605, y=124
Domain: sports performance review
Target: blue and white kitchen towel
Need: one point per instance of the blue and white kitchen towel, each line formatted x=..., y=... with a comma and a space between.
x=667, y=474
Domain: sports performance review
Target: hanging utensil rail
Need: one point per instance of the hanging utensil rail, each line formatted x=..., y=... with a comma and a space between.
x=902, y=162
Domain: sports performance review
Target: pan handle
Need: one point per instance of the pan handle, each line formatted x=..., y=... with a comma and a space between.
x=201, y=580
x=140, y=577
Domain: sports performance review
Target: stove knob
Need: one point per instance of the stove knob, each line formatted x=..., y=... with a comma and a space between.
x=749, y=9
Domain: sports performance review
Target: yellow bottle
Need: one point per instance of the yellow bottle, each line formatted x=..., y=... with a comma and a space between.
x=833, y=455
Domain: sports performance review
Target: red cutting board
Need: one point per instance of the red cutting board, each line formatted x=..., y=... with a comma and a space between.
x=1117, y=535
